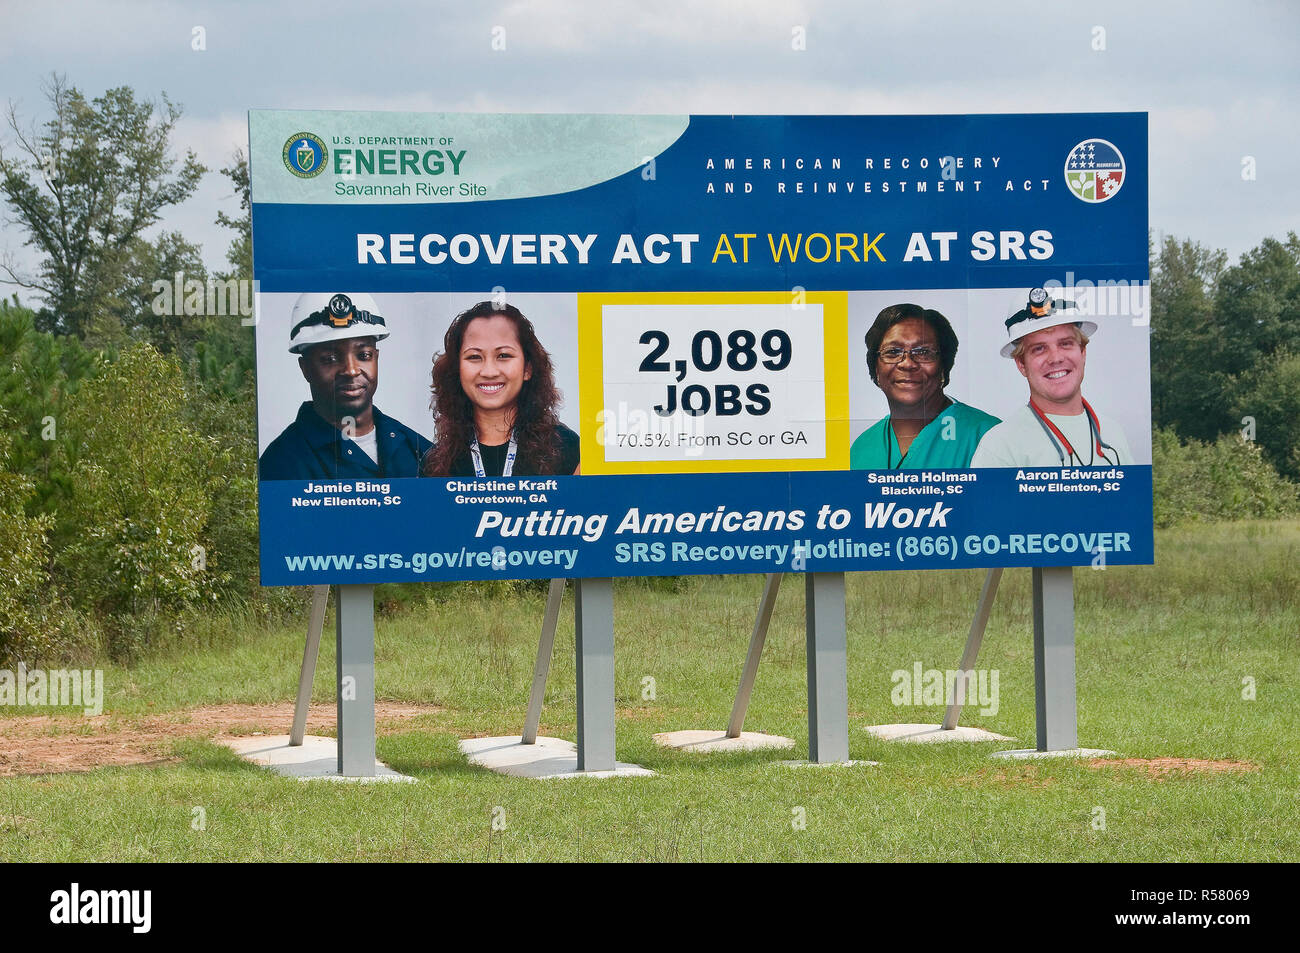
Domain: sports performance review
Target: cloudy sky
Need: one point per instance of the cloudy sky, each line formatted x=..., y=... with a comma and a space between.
x=1220, y=80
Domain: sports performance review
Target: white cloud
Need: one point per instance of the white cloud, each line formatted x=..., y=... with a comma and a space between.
x=575, y=26
x=1217, y=80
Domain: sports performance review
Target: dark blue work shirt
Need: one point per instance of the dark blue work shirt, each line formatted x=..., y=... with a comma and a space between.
x=312, y=449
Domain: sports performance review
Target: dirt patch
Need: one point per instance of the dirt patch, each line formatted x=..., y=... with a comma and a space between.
x=47, y=744
x=1014, y=776
x=1165, y=767
x=1035, y=776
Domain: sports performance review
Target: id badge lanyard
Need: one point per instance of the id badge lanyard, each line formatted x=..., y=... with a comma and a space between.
x=511, y=451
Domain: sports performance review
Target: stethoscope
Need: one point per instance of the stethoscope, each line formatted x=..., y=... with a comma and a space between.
x=889, y=429
x=889, y=448
x=1059, y=440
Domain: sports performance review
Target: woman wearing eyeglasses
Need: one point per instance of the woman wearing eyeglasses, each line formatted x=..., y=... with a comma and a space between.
x=910, y=354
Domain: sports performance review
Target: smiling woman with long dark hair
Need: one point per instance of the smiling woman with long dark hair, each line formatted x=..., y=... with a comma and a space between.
x=494, y=400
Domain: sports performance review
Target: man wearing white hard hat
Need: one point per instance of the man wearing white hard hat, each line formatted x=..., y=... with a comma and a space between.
x=1057, y=427
x=340, y=433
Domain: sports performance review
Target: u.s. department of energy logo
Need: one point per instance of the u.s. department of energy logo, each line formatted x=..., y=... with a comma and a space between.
x=305, y=155
x=1094, y=170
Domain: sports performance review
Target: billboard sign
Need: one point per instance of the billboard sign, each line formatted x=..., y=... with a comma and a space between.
x=656, y=345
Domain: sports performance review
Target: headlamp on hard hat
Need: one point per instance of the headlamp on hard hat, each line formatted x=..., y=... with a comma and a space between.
x=339, y=313
x=322, y=317
x=1039, y=305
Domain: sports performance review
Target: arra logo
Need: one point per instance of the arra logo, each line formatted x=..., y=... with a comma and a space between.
x=132, y=907
x=305, y=155
x=1094, y=170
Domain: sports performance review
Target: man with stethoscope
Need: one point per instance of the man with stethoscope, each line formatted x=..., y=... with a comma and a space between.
x=1057, y=427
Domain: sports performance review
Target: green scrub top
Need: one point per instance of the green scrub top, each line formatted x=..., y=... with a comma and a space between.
x=877, y=447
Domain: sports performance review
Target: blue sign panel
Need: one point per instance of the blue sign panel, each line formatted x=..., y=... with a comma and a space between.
x=653, y=345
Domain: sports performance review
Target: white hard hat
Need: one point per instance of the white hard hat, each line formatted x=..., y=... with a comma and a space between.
x=320, y=317
x=1038, y=313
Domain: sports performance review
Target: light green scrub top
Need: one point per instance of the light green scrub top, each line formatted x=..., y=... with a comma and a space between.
x=877, y=447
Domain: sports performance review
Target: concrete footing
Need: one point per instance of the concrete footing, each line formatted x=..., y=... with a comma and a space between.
x=316, y=758
x=706, y=741
x=548, y=758
x=1019, y=754
x=930, y=734
x=827, y=764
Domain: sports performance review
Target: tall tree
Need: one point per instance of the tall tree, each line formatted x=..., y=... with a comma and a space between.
x=1267, y=405
x=161, y=319
x=1258, y=303
x=1225, y=343
x=224, y=357
x=38, y=372
x=85, y=186
x=1187, y=389
x=25, y=597
x=240, y=253
x=1258, y=306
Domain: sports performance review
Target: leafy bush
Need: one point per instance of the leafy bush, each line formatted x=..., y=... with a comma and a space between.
x=33, y=625
x=1225, y=480
x=140, y=494
x=230, y=536
x=1270, y=398
x=38, y=372
x=23, y=550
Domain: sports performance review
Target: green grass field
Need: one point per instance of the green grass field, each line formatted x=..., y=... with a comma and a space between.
x=1162, y=654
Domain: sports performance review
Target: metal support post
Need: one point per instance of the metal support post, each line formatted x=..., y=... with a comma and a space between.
x=542, y=667
x=1054, y=658
x=828, y=692
x=973, y=642
x=355, y=634
x=311, y=651
x=594, y=625
x=756, y=640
